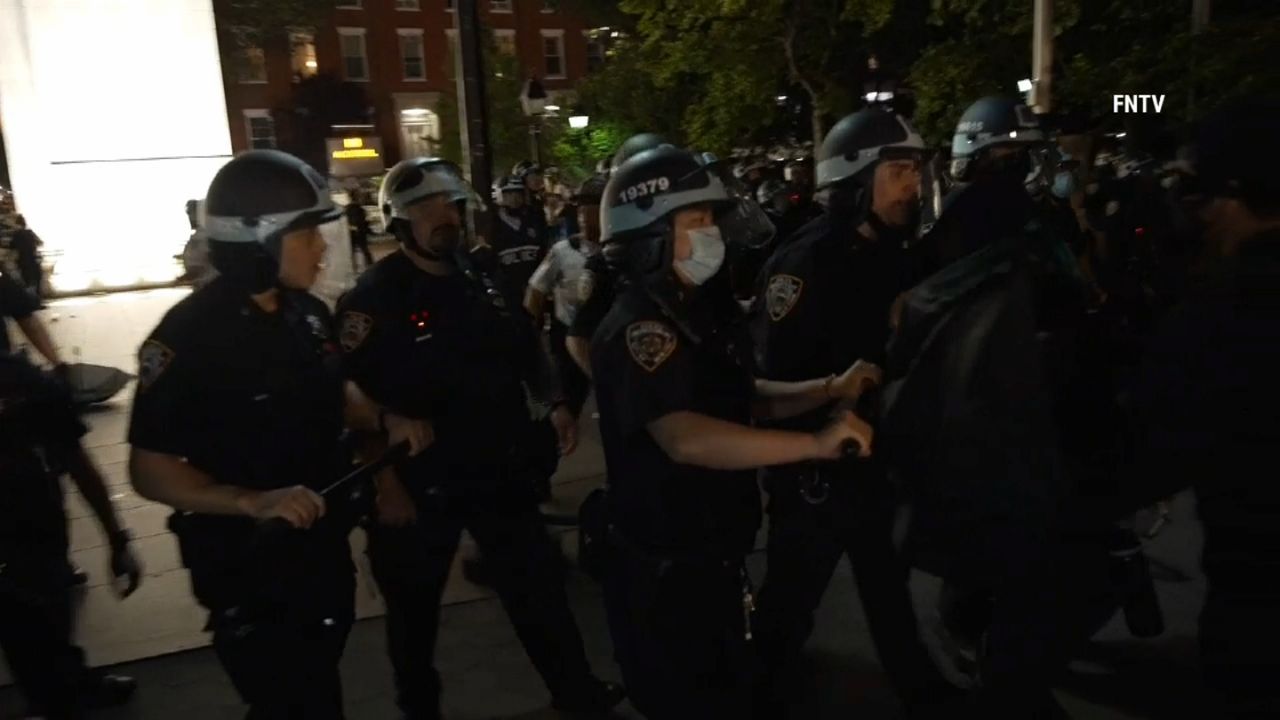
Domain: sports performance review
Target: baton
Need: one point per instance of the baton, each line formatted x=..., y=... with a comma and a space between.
x=390, y=456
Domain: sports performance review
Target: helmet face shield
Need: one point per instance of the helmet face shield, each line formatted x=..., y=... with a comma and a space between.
x=741, y=219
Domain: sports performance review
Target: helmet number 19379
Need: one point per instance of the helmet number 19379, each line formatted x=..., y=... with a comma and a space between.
x=648, y=187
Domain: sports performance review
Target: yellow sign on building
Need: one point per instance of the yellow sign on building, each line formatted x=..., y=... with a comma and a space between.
x=355, y=156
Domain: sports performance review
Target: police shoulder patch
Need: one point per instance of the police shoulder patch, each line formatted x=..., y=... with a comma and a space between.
x=355, y=328
x=650, y=343
x=781, y=295
x=153, y=358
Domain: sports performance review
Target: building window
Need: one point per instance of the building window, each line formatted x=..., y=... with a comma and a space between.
x=251, y=65
x=550, y=6
x=505, y=40
x=411, y=54
x=553, y=53
x=355, y=62
x=260, y=129
x=595, y=53
x=449, y=5
x=303, y=55
x=503, y=6
x=408, y=5
x=350, y=4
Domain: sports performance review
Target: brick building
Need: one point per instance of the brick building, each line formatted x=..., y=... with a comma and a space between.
x=400, y=52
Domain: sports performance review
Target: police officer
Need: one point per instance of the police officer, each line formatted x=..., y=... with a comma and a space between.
x=237, y=418
x=823, y=304
x=595, y=285
x=39, y=441
x=676, y=402
x=993, y=510
x=518, y=242
x=561, y=275
x=431, y=336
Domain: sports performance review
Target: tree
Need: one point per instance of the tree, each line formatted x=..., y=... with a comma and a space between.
x=578, y=151
x=250, y=22
x=509, y=138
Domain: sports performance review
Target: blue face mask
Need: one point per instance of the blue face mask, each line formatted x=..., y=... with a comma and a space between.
x=1064, y=184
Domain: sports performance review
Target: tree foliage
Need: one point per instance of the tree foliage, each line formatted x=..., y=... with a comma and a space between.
x=722, y=62
x=250, y=21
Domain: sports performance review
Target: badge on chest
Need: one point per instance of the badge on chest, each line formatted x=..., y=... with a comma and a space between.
x=782, y=294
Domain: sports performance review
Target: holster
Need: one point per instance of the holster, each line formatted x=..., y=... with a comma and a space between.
x=216, y=551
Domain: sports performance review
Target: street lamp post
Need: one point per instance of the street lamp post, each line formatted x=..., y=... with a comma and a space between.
x=534, y=101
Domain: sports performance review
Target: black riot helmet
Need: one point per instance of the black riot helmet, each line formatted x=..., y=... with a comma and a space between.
x=635, y=145
x=252, y=202
x=859, y=141
x=847, y=160
x=642, y=195
x=995, y=122
x=591, y=191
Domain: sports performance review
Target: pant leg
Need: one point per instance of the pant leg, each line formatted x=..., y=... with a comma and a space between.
x=882, y=576
x=529, y=580
x=679, y=637
x=411, y=566
x=1023, y=641
x=284, y=669
x=805, y=543
x=34, y=636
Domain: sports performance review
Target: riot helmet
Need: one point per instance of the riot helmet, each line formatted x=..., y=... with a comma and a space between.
x=639, y=201
x=509, y=192
x=856, y=143
x=635, y=145
x=416, y=179
x=252, y=203
x=990, y=124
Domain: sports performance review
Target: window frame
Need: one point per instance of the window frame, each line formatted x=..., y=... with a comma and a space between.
x=420, y=34
x=509, y=6
x=558, y=36
x=363, y=34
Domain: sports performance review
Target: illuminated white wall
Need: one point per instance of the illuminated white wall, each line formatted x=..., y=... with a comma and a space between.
x=113, y=116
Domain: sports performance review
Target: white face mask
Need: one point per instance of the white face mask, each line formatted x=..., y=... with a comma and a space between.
x=706, y=256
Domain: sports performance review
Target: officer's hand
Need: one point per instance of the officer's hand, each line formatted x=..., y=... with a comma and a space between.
x=845, y=426
x=395, y=507
x=299, y=506
x=419, y=433
x=566, y=426
x=124, y=564
x=860, y=377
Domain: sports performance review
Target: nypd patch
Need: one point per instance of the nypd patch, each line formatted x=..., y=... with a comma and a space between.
x=650, y=343
x=153, y=358
x=355, y=328
x=782, y=294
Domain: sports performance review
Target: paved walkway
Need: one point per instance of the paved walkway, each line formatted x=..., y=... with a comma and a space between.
x=486, y=674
